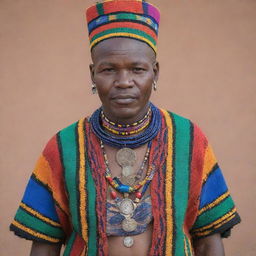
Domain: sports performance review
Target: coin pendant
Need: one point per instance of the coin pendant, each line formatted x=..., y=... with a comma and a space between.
x=126, y=171
x=126, y=157
x=126, y=206
x=129, y=225
x=128, y=241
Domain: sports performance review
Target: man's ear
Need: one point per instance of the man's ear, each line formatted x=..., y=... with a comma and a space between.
x=92, y=67
x=156, y=70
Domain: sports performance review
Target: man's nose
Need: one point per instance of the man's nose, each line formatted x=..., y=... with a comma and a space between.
x=123, y=79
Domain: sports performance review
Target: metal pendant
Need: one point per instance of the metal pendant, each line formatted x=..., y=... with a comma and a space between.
x=129, y=225
x=128, y=241
x=126, y=157
x=126, y=206
x=127, y=170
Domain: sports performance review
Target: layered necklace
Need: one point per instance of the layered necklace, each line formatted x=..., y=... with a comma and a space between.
x=126, y=129
x=135, y=138
x=125, y=205
x=126, y=138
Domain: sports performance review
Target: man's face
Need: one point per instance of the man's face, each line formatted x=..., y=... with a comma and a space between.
x=123, y=71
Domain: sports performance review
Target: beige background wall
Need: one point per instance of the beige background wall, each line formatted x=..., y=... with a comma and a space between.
x=207, y=52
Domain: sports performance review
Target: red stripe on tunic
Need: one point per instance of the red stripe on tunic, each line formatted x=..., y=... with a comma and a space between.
x=78, y=246
x=196, y=171
x=158, y=193
x=52, y=155
x=96, y=158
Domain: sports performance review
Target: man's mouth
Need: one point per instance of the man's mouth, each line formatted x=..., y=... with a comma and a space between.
x=123, y=99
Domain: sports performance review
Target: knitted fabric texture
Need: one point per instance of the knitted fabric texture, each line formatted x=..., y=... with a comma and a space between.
x=65, y=199
x=123, y=18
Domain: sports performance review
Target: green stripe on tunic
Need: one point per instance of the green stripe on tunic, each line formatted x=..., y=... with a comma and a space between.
x=181, y=177
x=91, y=204
x=215, y=213
x=31, y=222
x=69, y=145
x=70, y=244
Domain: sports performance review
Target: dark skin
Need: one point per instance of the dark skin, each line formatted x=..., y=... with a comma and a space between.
x=123, y=71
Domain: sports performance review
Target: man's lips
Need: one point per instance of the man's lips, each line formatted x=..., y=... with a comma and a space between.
x=123, y=99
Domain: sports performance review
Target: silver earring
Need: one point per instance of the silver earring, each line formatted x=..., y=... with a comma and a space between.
x=154, y=85
x=94, y=89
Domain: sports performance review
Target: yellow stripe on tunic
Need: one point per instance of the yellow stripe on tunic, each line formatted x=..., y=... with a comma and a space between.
x=217, y=226
x=39, y=216
x=82, y=207
x=34, y=233
x=168, y=190
x=214, y=203
x=209, y=161
x=185, y=246
x=226, y=216
x=43, y=173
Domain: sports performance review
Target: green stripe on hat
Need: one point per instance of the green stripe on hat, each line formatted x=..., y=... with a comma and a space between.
x=125, y=30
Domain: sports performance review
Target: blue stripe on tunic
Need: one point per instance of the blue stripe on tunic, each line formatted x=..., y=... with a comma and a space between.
x=40, y=199
x=214, y=187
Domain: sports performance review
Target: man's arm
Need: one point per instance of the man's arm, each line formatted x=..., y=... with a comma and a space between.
x=45, y=249
x=209, y=246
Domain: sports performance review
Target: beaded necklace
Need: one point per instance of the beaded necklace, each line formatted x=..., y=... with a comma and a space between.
x=126, y=129
x=135, y=141
x=122, y=188
x=132, y=179
x=126, y=205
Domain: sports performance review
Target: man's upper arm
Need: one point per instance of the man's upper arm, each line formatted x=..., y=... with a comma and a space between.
x=209, y=246
x=45, y=249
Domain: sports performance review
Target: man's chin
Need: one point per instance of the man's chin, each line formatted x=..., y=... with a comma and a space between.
x=123, y=114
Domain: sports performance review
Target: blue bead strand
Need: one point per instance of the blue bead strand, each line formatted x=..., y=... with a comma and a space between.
x=130, y=141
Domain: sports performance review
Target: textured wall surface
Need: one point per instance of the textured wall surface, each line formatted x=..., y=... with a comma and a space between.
x=207, y=54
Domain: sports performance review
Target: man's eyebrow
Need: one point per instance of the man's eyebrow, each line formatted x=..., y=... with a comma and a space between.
x=139, y=63
x=134, y=63
x=106, y=63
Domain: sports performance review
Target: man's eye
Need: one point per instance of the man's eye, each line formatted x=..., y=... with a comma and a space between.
x=138, y=69
x=107, y=70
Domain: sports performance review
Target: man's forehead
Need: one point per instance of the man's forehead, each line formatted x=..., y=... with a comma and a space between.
x=122, y=47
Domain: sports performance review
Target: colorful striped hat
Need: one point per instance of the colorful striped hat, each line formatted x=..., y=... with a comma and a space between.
x=135, y=19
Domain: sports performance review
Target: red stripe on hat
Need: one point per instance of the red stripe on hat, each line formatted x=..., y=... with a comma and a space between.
x=91, y=13
x=123, y=6
x=123, y=25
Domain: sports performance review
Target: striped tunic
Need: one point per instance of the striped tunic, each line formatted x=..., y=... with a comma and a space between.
x=65, y=199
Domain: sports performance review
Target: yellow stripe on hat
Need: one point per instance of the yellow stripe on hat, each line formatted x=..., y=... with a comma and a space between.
x=123, y=34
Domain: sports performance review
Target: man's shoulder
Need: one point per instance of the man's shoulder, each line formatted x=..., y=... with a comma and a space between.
x=183, y=125
x=73, y=126
x=67, y=135
x=176, y=117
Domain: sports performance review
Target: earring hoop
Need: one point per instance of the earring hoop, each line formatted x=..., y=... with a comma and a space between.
x=154, y=85
x=94, y=88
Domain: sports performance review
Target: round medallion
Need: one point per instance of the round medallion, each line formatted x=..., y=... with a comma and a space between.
x=126, y=206
x=128, y=241
x=127, y=170
x=129, y=225
x=126, y=157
